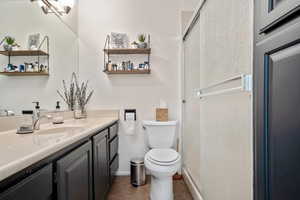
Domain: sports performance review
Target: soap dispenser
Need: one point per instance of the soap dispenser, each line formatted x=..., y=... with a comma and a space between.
x=58, y=117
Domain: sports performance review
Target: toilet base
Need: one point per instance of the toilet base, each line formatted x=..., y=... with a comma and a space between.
x=161, y=188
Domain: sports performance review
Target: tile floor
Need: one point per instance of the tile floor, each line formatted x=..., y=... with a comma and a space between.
x=122, y=190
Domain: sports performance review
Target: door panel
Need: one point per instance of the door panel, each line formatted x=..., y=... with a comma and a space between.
x=284, y=126
x=277, y=117
x=74, y=174
x=36, y=187
x=274, y=12
x=101, y=165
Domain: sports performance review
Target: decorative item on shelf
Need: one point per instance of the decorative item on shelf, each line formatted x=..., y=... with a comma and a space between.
x=69, y=94
x=11, y=68
x=33, y=41
x=134, y=45
x=119, y=40
x=82, y=98
x=43, y=68
x=142, y=41
x=109, y=66
x=146, y=65
x=10, y=43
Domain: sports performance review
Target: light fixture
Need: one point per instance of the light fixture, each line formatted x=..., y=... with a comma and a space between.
x=58, y=7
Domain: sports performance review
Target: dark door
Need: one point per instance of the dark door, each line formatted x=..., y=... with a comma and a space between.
x=273, y=12
x=74, y=174
x=101, y=165
x=277, y=116
x=36, y=187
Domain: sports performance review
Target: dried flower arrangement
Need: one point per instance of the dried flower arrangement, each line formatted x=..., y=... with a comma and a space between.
x=69, y=94
x=82, y=95
x=75, y=93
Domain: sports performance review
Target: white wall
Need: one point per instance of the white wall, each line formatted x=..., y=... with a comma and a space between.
x=225, y=135
x=161, y=19
x=20, y=19
x=189, y=5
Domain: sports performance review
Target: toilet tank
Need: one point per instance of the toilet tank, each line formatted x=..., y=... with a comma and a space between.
x=161, y=134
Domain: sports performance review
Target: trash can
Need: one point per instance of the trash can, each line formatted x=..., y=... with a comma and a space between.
x=138, y=172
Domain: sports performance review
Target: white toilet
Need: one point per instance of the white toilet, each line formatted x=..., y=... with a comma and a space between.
x=162, y=160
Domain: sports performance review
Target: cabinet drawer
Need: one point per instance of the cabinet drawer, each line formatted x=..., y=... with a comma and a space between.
x=113, y=148
x=113, y=131
x=37, y=186
x=114, y=168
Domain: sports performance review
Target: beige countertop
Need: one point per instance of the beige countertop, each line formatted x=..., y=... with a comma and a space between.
x=20, y=151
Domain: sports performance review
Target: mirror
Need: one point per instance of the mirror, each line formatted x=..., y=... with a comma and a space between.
x=33, y=68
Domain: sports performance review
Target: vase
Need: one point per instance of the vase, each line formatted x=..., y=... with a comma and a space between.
x=142, y=45
x=80, y=113
x=7, y=47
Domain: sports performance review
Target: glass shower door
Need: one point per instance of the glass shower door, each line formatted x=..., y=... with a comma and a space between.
x=191, y=105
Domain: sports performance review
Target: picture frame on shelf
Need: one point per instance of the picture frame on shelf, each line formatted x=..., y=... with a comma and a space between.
x=34, y=41
x=119, y=40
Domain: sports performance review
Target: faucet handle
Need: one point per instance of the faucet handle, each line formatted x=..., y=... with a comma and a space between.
x=37, y=106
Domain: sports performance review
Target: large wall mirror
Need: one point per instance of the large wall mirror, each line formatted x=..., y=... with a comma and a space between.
x=44, y=52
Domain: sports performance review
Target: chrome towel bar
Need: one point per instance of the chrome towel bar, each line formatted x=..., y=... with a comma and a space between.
x=245, y=86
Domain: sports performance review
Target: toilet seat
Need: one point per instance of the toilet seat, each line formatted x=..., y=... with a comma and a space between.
x=163, y=157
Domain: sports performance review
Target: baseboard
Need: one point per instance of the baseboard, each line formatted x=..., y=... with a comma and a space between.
x=191, y=185
x=122, y=173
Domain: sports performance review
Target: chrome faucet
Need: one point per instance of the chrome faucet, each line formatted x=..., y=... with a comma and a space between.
x=7, y=113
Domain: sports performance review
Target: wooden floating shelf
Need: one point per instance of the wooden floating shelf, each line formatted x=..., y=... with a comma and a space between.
x=147, y=71
x=127, y=51
x=24, y=73
x=24, y=53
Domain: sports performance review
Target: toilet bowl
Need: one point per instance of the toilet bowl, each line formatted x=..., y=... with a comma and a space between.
x=162, y=165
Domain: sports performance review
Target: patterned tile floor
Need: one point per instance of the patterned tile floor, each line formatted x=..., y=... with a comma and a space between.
x=122, y=190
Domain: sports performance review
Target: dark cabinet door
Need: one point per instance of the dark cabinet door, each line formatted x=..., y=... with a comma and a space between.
x=113, y=148
x=36, y=187
x=74, y=174
x=113, y=131
x=274, y=12
x=277, y=118
x=101, y=165
x=114, y=166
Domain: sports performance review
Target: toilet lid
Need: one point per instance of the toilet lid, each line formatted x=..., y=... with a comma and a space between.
x=163, y=156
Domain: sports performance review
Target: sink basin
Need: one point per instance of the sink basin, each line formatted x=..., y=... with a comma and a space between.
x=58, y=130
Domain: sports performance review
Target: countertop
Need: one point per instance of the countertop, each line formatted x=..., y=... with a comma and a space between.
x=20, y=151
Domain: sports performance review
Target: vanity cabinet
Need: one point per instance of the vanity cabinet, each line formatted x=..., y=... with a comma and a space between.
x=38, y=186
x=82, y=171
x=74, y=174
x=101, y=165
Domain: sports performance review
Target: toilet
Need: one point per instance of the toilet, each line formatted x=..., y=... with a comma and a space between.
x=162, y=161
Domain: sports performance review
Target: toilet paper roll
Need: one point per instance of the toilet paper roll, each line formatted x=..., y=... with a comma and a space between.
x=130, y=116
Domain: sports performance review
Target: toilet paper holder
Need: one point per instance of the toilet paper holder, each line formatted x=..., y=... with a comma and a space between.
x=130, y=114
